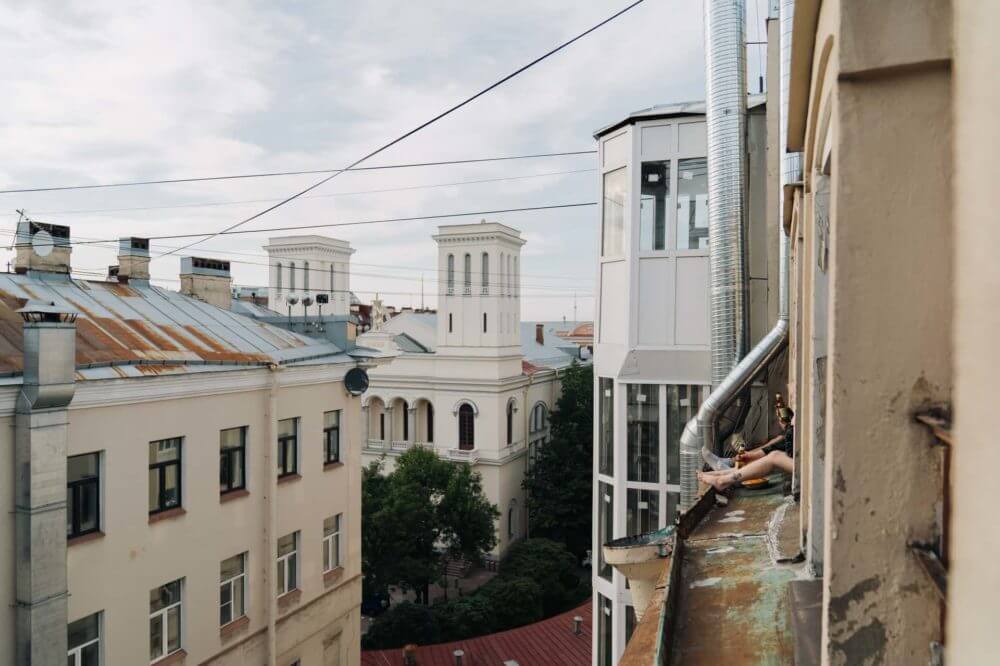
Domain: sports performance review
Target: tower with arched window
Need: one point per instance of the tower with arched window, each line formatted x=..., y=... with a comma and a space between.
x=479, y=292
x=306, y=266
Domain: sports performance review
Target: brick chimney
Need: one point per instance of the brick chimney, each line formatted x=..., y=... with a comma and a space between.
x=208, y=280
x=41, y=247
x=133, y=260
x=540, y=333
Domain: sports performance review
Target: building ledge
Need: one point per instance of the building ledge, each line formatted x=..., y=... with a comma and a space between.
x=84, y=538
x=332, y=576
x=288, y=478
x=237, y=626
x=177, y=657
x=233, y=495
x=169, y=514
x=332, y=465
x=289, y=599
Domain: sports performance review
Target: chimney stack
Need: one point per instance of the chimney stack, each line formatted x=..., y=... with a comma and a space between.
x=577, y=625
x=208, y=280
x=540, y=333
x=133, y=260
x=410, y=655
x=458, y=654
x=41, y=247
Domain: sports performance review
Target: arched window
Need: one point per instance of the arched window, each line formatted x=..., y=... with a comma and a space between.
x=538, y=417
x=466, y=427
x=510, y=423
x=305, y=275
x=291, y=275
x=278, y=266
x=451, y=274
x=430, y=422
x=485, y=278
x=406, y=420
x=468, y=274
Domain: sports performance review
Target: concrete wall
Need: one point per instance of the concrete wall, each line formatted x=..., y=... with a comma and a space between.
x=114, y=573
x=974, y=580
x=878, y=122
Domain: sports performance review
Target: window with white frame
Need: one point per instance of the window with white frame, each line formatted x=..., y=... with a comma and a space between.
x=288, y=563
x=692, y=204
x=467, y=287
x=165, y=619
x=654, y=205
x=451, y=274
x=232, y=588
x=84, y=641
x=485, y=277
x=613, y=213
x=332, y=530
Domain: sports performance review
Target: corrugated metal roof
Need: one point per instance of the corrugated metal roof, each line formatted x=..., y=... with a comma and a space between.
x=550, y=642
x=143, y=330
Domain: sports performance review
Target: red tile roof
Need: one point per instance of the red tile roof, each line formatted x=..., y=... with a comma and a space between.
x=550, y=642
x=529, y=368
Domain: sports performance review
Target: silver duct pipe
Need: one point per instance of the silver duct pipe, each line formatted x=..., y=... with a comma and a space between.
x=700, y=433
x=791, y=163
x=726, y=115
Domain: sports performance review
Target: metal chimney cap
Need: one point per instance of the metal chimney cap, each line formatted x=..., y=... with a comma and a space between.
x=47, y=311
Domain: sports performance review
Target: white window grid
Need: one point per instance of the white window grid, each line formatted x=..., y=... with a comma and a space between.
x=288, y=568
x=331, y=545
x=164, y=617
x=75, y=655
x=237, y=582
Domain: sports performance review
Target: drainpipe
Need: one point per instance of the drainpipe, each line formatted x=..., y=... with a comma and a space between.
x=527, y=455
x=700, y=434
x=271, y=513
x=41, y=435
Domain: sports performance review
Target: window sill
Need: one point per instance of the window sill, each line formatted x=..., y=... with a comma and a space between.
x=172, y=658
x=84, y=538
x=332, y=465
x=289, y=599
x=233, y=495
x=227, y=631
x=288, y=478
x=332, y=576
x=169, y=514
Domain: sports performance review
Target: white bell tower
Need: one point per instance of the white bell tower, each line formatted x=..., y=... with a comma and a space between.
x=479, y=290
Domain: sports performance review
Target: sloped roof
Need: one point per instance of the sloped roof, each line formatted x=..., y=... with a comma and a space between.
x=550, y=642
x=138, y=329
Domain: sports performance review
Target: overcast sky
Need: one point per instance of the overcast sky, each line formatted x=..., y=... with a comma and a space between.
x=106, y=90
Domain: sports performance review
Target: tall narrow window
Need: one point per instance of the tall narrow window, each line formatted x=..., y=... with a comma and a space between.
x=484, y=322
x=331, y=542
x=517, y=279
x=232, y=588
x=278, y=276
x=467, y=289
x=682, y=405
x=381, y=426
x=613, y=214
x=164, y=475
x=232, y=459
x=291, y=275
x=165, y=620
x=485, y=277
x=288, y=563
x=466, y=427
x=510, y=423
x=642, y=509
x=430, y=423
x=606, y=403
x=85, y=641
x=451, y=274
x=654, y=204
x=501, y=278
x=332, y=275
x=643, y=429
x=305, y=275
x=331, y=436
x=605, y=525
x=605, y=655
x=510, y=275
x=404, y=412
x=692, y=204
x=450, y=327
x=83, y=494
x=288, y=458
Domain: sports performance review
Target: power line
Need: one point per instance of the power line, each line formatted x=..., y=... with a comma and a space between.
x=419, y=127
x=270, y=174
x=315, y=196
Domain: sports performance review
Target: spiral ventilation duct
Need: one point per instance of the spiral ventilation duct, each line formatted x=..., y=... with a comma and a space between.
x=727, y=155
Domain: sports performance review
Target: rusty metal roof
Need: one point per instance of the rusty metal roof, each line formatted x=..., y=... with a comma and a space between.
x=139, y=330
x=550, y=642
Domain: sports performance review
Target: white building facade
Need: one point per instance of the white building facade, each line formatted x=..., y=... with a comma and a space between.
x=309, y=267
x=472, y=381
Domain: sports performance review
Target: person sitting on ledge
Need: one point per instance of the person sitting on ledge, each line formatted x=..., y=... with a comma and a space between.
x=760, y=461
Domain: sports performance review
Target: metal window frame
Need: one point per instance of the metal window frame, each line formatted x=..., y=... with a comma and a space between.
x=327, y=432
x=283, y=442
x=161, y=470
x=72, y=488
x=226, y=453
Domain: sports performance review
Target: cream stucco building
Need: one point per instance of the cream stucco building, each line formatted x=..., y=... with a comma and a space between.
x=182, y=483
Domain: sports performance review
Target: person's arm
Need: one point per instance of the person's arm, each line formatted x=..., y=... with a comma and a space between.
x=761, y=450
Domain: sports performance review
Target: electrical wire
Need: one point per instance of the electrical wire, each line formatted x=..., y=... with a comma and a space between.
x=427, y=123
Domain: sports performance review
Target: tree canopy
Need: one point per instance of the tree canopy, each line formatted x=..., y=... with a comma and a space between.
x=560, y=482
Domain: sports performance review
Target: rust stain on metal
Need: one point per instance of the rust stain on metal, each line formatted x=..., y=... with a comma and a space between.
x=11, y=333
x=28, y=291
x=185, y=342
x=157, y=369
x=119, y=289
x=205, y=340
x=147, y=332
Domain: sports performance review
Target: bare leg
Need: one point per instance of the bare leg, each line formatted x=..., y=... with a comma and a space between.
x=755, y=470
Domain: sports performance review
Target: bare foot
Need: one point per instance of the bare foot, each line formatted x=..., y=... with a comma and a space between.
x=718, y=481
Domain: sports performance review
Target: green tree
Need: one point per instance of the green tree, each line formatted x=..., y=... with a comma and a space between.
x=514, y=600
x=560, y=483
x=551, y=566
x=426, y=509
x=402, y=624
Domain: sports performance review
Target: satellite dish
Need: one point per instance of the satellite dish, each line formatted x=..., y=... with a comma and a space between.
x=356, y=381
x=42, y=243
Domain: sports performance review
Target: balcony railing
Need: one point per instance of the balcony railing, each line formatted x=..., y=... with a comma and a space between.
x=470, y=456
